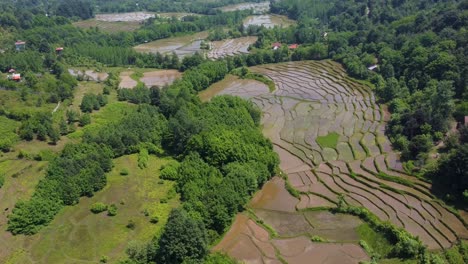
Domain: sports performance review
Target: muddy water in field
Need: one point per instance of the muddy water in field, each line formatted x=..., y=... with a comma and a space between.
x=180, y=45
x=315, y=99
x=233, y=85
x=268, y=21
x=160, y=78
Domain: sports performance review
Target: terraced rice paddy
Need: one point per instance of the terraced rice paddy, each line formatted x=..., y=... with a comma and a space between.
x=182, y=46
x=315, y=100
x=268, y=21
x=261, y=7
x=230, y=47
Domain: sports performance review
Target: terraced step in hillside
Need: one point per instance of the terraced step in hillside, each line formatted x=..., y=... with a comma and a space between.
x=330, y=136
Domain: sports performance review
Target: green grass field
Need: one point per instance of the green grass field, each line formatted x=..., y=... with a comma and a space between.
x=377, y=242
x=7, y=131
x=328, y=141
x=76, y=235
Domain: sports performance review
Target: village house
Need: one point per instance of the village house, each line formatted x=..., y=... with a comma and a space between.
x=276, y=45
x=20, y=45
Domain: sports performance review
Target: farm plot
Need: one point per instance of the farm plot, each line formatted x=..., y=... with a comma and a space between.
x=126, y=17
x=329, y=134
x=230, y=47
x=261, y=7
x=89, y=75
x=233, y=85
x=117, y=22
x=182, y=46
x=160, y=78
x=268, y=21
x=250, y=242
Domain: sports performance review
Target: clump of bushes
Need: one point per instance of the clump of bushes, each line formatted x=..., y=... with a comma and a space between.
x=131, y=224
x=169, y=171
x=124, y=172
x=98, y=207
x=317, y=239
x=112, y=210
x=154, y=219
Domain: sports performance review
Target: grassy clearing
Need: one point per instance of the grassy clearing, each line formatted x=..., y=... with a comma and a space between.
x=376, y=241
x=328, y=141
x=112, y=112
x=7, y=131
x=78, y=235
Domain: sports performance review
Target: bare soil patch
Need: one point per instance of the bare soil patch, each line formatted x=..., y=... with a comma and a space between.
x=126, y=81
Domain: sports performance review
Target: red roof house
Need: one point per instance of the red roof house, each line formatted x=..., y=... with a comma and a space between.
x=20, y=45
x=293, y=46
x=276, y=45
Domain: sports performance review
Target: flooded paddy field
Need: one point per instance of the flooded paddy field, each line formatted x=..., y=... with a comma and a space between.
x=149, y=77
x=233, y=85
x=230, y=47
x=183, y=45
x=268, y=21
x=330, y=136
x=261, y=7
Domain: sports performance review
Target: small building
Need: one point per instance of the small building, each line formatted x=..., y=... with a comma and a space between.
x=276, y=45
x=293, y=46
x=59, y=50
x=14, y=77
x=12, y=70
x=373, y=67
x=20, y=45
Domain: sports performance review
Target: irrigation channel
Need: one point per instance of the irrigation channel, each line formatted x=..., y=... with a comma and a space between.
x=330, y=136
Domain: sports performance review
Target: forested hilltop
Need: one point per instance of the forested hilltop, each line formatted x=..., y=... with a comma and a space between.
x=69, y=138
